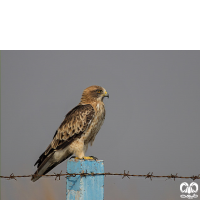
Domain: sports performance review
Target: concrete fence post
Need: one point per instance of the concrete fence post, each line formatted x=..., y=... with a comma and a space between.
x=86, y=187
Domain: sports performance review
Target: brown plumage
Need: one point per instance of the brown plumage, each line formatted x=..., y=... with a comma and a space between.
x=76, y=132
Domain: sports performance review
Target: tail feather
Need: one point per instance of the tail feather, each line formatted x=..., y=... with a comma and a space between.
x=47, y=165
x=43, y=168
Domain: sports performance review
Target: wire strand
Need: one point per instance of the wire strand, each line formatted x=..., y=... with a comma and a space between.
x=123, y=175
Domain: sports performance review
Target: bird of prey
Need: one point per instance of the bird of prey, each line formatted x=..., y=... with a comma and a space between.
x=78, y=129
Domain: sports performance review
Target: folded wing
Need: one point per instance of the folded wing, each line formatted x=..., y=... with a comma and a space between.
x=74, y=125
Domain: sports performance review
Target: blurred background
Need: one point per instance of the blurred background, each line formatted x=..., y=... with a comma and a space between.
x=152, y=118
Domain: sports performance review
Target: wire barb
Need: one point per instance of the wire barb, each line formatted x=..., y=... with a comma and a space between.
x=58, y=175
x=174, y=176
x=125, y=174
x=12, y=176
x=195, y=177
x=149, y=175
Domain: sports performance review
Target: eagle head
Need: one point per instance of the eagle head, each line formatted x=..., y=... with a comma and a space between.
x=93, y=93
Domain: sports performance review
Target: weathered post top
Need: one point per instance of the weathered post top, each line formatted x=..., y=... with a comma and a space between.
x=86, y=187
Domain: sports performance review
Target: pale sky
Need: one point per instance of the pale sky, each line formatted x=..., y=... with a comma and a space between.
x=151, y=125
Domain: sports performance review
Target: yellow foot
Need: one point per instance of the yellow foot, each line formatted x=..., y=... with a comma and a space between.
x=88, y=158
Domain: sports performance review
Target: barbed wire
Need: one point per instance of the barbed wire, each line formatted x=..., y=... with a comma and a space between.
x=123, y=175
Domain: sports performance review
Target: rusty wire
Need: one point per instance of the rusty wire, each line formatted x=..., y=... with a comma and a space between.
x=123, y=175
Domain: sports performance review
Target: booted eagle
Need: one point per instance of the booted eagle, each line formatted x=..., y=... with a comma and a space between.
x=78, y=129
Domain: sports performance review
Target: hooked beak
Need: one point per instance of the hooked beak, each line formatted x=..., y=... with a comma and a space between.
x=106, y=94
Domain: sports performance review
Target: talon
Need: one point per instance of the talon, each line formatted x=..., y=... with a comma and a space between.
x=94, y=158
x=87, y=158
x=72, y=157
x=76, y=158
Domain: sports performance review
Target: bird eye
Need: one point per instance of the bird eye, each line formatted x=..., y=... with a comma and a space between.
x=99, y=91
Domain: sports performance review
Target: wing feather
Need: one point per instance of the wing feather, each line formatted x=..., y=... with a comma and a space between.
x=74, y=125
